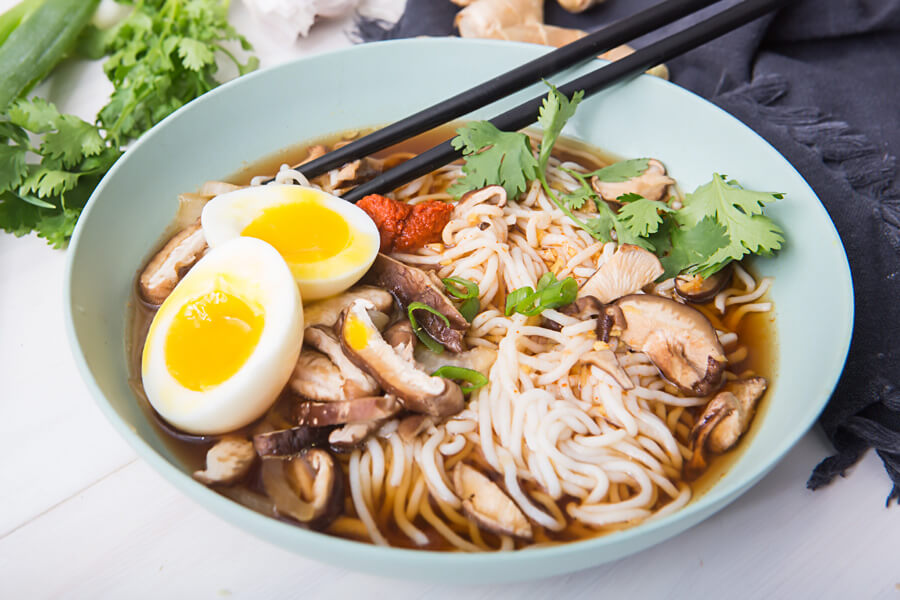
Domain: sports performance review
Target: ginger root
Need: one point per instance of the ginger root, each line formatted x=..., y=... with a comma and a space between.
x=523, y=21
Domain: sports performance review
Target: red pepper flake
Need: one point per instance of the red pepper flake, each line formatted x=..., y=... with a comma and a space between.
x=403, y=227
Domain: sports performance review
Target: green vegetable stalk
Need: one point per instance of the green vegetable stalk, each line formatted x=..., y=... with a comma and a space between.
x=162, y=56
x=41, y=39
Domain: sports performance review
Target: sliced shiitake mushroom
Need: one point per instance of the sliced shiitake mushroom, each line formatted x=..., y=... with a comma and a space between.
x=352, y=435
x=605, y=360
x=228, y=461
x=412, y=426
x=677, y=338
x=357, y=383
x=610, y=321
x=488, y=505
x=326, y=312
x=170, y=264
x=357, y=410
x=629, y=270
x=417, y=390
x=402, y=339
x=490, y=194
x=652, y=184
x=307, y=488
x=288, y=442
x=697, y=289
x=317, y=378
x=410, y=284
x=724, y=420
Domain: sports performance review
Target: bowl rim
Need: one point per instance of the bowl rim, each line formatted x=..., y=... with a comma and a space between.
x=711, y=501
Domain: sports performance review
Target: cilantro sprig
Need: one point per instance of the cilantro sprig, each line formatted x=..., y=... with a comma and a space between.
x=718, y=223
x=161, y=56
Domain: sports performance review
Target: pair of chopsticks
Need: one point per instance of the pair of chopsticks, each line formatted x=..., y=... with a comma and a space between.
x=526, y=113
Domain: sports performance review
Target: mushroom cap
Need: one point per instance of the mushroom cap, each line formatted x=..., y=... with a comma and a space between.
x=288, y=442
x=170, y=264
x=629, y=270
x=677, y=338
x=351, y=435
x=606, y=361
x=307, y=488
x=417, y=390
x=724, y=420
x=357, y=383
x=651, y=184
x=357, y=410
x=491, y=194
x=410, y=284
x=326, y=312
x=317, y=378
x=488, y=505
x=227, y=461
x=697, y=289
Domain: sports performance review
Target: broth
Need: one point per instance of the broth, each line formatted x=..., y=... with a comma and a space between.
x=755, y=330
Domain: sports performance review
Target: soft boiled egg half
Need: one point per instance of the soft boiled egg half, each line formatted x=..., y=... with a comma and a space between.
x=223, y=344
x=328, y=243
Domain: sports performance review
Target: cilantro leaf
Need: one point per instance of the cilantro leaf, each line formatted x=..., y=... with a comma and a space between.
x=621, y=171
x=577, y=199
x=14, y=168
x=493, y=157
x=641, y=216
x=17, y=217
x=48, y=182
x=682, y=248
x=555, y=111
x=36, y=115
x=72, y=140
x=194, y=54
x=57, y=227
x=739, y=211
x=162, y=56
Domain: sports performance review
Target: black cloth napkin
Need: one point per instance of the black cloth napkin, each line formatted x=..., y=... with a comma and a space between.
x=820, y=80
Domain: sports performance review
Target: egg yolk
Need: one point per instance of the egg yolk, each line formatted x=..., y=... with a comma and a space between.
x=210, y=338
x=355, y=332
x=303, y=232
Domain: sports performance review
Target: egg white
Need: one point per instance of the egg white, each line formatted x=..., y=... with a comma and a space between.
x=253, y=271
x=226, y=216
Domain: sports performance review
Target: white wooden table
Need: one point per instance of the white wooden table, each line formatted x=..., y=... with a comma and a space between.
x=82, y=517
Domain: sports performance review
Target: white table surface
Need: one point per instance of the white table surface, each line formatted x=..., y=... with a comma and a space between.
x=82, y=517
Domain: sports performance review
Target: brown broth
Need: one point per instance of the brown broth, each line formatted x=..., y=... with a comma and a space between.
x=756, y=330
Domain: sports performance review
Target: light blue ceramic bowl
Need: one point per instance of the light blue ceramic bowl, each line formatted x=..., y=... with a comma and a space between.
x=378, y=83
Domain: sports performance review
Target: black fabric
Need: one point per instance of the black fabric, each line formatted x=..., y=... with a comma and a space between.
x=820, y=80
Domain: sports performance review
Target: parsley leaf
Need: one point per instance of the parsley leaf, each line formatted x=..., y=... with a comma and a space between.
x=494, y=157
x=739, y=211
x=641, y=216
x=621, y=171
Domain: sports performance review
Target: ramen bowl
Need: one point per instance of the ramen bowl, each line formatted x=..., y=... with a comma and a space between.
x=251, y=118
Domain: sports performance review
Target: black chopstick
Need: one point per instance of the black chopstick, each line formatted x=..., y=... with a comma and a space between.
x=501, y=86
x=525, y=114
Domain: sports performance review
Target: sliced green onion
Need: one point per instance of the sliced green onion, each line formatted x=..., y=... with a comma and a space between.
x=546, y=279
x=550, y=294
x=463, y=374
x=460, y=288
x=423, y=336
x=517, y=297
x=469, y=308
x=558, y=294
